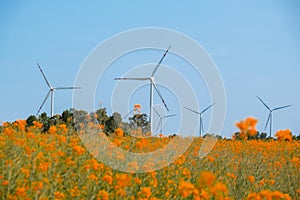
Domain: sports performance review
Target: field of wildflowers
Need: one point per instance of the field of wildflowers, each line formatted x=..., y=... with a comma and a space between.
x=55, y=165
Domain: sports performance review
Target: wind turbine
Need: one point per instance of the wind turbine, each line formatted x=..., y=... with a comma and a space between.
x=200, y=116
x=51, y=92
x=161, y=118
x=125, y=117
x=152, y=84
x=270, y=113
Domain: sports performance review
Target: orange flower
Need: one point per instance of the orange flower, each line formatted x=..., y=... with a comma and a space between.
x=247, y=127
x=52, y=130
x=93, y=177
x=44, y=166
x=121, y=193
x=123, y=180
x=145, y=192
x=138, y=181
x=25, y=171
x=37, y=185
x=5, y=182
x=251, y=179
x=62, y=128
x=59, y=195
x=207, y=178
x=284, y=135
x=74, y=192
x=185, y=188
x=103, y=195
x=21, y=192
x=37, y=124
x=119, y=132
x=108, y=179
x=79, y=150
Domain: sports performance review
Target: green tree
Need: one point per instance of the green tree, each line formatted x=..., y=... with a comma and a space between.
x=110, y=125
x=140, y=121
x=30, y=120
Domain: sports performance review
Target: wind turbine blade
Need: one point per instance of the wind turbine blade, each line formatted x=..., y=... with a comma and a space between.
x=207, y=108
x=281, y=107
x=158, y=64
x=155, y=86
x=156, y=112
x=158, y=125
x=268, y=120
x=263, y=103
x=127, y=114
x=169, y=116
x=136, y=79
x=67, y=88
x=47, y=96
x=192, y=110
x=44, y=75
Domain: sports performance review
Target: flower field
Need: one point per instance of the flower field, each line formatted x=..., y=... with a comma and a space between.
x=56, y=165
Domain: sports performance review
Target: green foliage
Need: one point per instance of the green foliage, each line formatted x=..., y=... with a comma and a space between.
x=140, y=121
x=30, y=120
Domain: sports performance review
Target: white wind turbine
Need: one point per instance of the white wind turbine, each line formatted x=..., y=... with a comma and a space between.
x=51, y=91
x=161, y=118
x=270, y=116
x=200, y=116
x=152, y=84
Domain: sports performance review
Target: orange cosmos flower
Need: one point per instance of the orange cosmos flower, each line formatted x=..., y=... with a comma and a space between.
x=123, y=180
x=207, y=178
x=145, y=192
x=119, y=132
x=284, y=135
x=185, y=188
x=79, y=150
x=52, y=130
x=108, y=179
x=247, y=127
x=103, y=195
x=59, y=195
x=21, y=192
x=251, y=179
x=25, y=171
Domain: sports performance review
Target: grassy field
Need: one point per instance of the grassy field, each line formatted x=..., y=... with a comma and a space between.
x=55, y=165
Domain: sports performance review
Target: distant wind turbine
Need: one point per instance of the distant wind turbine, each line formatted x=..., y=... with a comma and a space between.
x=161, y=118
x=125, y=117
x=152, y=84
x=200, y=116
x=270, y=113
x=51, y=91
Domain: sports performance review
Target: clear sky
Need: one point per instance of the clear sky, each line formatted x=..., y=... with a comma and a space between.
x=255, y=45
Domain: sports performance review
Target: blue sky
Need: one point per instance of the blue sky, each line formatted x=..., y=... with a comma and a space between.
x=255, y=45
